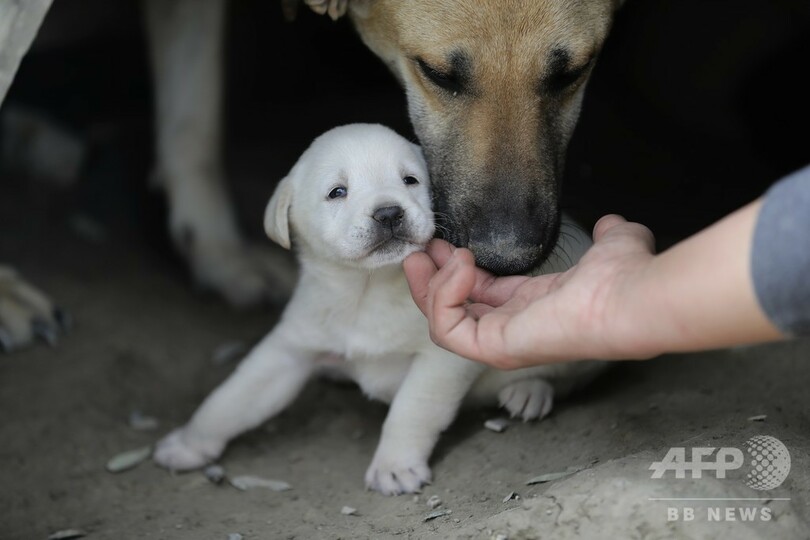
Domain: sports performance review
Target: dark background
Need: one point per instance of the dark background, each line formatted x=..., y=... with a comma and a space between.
x=695, y=107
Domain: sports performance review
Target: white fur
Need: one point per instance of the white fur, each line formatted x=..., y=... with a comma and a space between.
x=354, y=303
x=186, y=43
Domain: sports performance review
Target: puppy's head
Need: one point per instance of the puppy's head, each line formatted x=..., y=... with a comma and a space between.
x=359, y=196
x=494, y=89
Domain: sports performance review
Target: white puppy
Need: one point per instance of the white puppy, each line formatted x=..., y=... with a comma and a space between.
x=354, y=206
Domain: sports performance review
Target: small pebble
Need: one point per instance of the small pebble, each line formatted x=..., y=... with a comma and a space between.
x=758, y=418
x=498, y=425
x=348, y=511
x=512, y=495
x=434, y=502
x=214, y=473
x=234, y=536
x=437, y=514
x=139, y=422
x=129, y=460
x=549, y=477
x=246, y=482
x=67, y=534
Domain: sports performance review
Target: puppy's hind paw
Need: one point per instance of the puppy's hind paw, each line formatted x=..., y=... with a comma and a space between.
x=392, y=477
x=529, y=399
x=178, y=451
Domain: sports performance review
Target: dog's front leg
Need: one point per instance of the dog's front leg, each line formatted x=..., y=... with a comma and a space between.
x=265, y=382
x=424, y=406
x=186, y=43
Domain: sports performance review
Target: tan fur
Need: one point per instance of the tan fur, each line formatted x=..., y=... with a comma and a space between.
x=496, y=150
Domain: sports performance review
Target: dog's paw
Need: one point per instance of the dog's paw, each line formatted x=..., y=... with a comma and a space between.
x=392, y=474
x=243, y=275
x=180, y=451
x=528, y=399
x=26, y=313
x=334, y=8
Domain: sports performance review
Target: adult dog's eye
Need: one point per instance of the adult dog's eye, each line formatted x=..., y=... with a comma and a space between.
x=410, y=180
x=446, y=81
x=338, y=192
x=562, y=76
x=560, y=81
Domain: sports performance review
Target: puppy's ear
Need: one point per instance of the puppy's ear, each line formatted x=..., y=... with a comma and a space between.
x=277, y=213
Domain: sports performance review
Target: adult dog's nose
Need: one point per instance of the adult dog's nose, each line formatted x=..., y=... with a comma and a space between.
x=389, y=216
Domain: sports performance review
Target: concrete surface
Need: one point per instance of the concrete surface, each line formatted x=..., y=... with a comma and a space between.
x=674, y=133
x=143, y=340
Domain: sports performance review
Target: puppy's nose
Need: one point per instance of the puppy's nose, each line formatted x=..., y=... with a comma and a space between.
x=390, y=216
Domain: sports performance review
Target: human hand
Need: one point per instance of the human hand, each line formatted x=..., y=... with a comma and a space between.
x=594, y=310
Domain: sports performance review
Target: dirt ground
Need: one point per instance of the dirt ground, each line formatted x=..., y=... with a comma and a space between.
x=143, y=340
x=670, y=135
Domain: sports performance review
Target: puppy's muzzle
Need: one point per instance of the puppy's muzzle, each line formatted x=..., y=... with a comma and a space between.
x=389, y=217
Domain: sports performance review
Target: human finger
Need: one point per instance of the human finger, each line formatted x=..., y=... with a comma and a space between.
x=614, y=226
x=419, y=269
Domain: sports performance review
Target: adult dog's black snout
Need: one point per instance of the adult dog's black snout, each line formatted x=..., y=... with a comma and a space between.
x=389, y=216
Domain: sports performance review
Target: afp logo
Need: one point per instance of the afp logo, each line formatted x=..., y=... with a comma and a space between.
x=767, y=462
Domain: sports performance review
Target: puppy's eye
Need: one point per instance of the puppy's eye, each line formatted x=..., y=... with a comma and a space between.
x=410, y=180
x=338, y=192
x=446, y=81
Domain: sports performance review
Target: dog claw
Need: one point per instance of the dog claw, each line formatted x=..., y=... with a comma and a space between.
x=64, y=319
x=389, y=477
x=27, y=313
x=44, y=330
x=528, y=399
x=6, y=343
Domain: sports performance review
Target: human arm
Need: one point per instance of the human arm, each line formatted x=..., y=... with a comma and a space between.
x=620, y=301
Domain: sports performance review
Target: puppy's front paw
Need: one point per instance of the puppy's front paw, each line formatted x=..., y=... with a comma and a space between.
x=394, y=474
x=181, y=451
x=528, y=399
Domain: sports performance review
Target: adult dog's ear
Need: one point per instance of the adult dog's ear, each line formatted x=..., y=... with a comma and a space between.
x=277, y=213
x=337, y=8
x=334, y=8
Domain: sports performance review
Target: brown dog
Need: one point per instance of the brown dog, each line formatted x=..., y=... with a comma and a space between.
x=494, y=90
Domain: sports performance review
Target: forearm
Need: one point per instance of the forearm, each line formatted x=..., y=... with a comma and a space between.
x=699, y=294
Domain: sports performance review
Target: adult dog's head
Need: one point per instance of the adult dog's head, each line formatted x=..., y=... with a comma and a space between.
x=494, y=90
